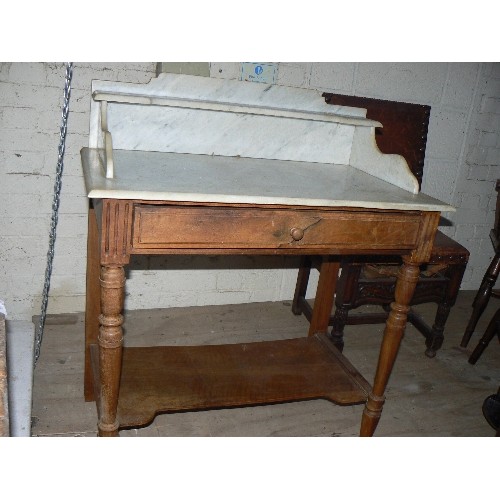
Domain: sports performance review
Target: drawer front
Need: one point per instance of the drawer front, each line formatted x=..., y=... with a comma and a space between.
x=175, y=227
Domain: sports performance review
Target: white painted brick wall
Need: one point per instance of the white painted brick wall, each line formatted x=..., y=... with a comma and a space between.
x=475, y=196
x=462, y=165
x=30, y=112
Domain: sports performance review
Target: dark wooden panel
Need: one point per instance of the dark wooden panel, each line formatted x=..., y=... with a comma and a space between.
x=404, y=129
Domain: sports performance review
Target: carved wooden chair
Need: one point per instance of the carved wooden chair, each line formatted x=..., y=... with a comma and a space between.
x=371, y=280
x=485, y=292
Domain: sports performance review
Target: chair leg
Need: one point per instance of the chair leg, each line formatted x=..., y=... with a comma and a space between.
x=434, y=342
x=492, y=330
x=301, y=286
x=347, y=286
x=482, y=298
x=339, y=321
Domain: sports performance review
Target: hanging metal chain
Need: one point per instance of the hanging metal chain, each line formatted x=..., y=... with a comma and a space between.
x=55, y=208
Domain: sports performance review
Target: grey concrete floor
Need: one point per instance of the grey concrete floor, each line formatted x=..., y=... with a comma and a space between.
x=425, y=397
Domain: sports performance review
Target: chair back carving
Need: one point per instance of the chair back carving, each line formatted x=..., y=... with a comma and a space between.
x=404, y=131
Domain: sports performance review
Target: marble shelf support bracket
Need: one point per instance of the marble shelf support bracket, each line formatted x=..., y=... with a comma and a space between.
x=367, y=157
x=108, y=141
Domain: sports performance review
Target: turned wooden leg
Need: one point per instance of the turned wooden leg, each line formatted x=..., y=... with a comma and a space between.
x=110, y=347
x=393, y=333
x=482, y=298
x=325, y=294
x=492, y=330
x=436, y=337
x=92, y=304
x=339, y=321
x=434, y=342
x=347, y=287
x=301, y=286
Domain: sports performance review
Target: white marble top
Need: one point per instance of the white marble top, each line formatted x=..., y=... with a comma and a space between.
x=221, y=179
x=211, y=116
x=189, y=138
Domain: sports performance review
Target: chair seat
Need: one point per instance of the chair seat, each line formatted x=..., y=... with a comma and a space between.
x=444, y=246
x=374, y=271
x=445, y=252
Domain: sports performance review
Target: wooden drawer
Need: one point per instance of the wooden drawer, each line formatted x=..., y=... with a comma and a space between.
x=182, y=227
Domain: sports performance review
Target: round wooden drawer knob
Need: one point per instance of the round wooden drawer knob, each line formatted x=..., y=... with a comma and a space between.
x=297, y=233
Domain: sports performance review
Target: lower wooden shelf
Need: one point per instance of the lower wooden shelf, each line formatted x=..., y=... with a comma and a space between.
x=168, y=379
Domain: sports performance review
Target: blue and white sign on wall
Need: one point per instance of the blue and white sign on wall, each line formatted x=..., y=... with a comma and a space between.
x=258, y=72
